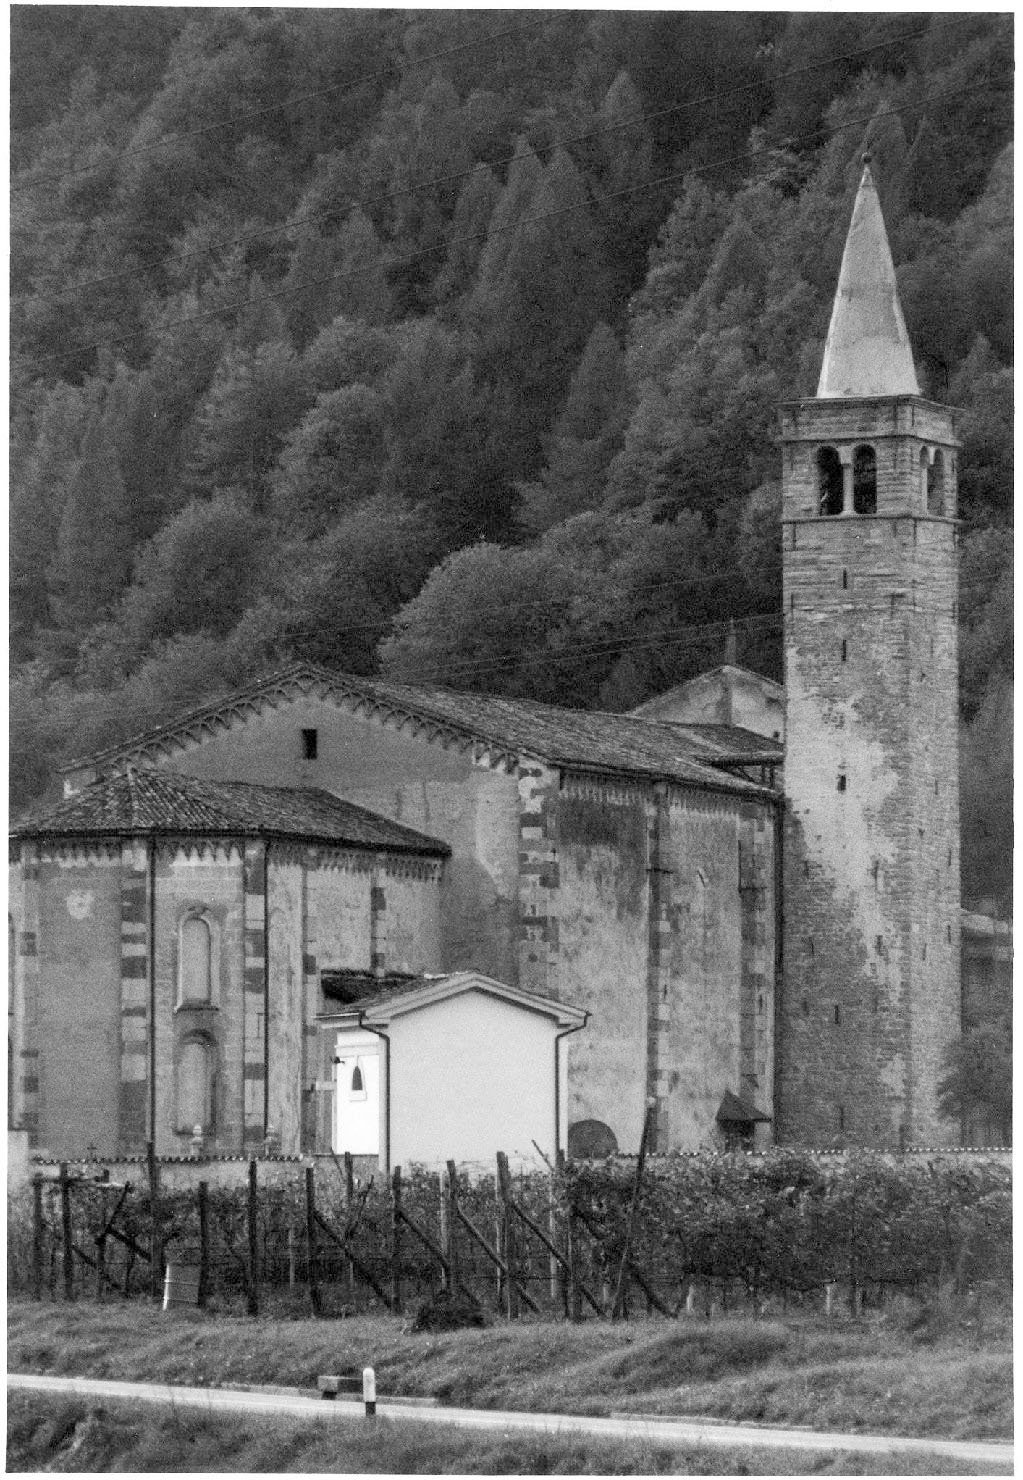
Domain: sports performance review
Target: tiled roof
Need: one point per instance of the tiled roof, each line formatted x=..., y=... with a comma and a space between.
x=586, y=739
x=731, y=745
x=143, y=801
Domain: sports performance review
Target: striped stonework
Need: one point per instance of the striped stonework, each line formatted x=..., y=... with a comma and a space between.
x=134, y=1089
x=538, y=879
x=26, y=1097
x=378, y=918
x=660, y=875
x=254, y=1068
x=757, y=963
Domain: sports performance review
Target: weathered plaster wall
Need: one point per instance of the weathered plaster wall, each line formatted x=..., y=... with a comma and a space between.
x=408, y=915
x=77, y=1015
x=603, y=951
x=206, y=880
x=666, y=913
x=440, y=789
x=286, y=1074
x=719, y=964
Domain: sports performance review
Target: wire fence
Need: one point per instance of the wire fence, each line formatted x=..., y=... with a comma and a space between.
x=708, y=1233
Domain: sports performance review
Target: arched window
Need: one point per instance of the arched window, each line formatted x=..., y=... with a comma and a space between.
x=936, y=485
x=864, y=481
x=358, y=1087
x=193, y=1098
x=195, y=971
x=829, y=481
x=925, y=473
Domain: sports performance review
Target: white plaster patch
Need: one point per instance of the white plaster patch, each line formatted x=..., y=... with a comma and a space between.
x=79, y=903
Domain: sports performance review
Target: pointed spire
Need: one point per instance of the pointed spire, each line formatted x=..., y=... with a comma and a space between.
x=867, y=351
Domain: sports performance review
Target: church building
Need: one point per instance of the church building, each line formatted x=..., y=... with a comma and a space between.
x=742, y=905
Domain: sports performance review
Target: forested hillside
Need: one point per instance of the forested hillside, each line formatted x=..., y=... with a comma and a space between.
x=447, y=345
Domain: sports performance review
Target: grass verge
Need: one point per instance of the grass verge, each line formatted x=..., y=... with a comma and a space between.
x=47, y=1434
x=936, y=1380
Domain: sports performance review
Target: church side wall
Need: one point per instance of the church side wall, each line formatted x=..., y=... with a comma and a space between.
x=603, y=952
x=719, y=964
x=666, y=915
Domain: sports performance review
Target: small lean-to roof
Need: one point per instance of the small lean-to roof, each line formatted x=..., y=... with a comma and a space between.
x=393, y=1001
x=867, y=351
x=737, y=1110
x=143, y=802
x=570, y=738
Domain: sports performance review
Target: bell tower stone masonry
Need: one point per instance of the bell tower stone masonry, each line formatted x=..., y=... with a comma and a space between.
x=871, y=996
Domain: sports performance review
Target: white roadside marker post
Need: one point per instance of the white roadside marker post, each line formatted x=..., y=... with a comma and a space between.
x=369, y=1391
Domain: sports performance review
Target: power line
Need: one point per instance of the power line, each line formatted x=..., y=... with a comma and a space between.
x=362, y=202
x=628, y=190
x=234, y=120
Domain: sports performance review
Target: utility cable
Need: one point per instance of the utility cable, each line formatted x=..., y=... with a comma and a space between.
x=479, y=237
x=363, y=202
x=235, y=120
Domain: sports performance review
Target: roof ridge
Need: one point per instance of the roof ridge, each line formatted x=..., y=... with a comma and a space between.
x=590, y=740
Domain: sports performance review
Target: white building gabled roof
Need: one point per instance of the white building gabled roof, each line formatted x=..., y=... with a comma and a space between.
x=867, y=351
x=381, y=1007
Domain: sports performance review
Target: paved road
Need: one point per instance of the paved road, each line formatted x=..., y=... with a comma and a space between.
x=682, y=1432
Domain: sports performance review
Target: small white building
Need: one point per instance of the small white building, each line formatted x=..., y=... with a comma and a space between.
x=457, y=1066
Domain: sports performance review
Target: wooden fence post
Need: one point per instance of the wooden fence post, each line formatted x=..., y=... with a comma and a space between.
x=101, y=1241
x=396, y=1240
x=449, y=1205
x=37, y=1237
x=618, y=1307
x=253, y=1231
x=446, y=1281
x=66, y=1233
x=310, y=1239
x=508, y=1236
x=349, y=1199
x=156, y=1234
x=204, y=1244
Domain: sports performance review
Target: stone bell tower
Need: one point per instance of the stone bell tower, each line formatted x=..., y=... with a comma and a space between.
x=871, y=994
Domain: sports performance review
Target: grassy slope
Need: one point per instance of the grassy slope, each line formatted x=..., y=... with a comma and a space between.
x=72, y=1435
x=867, y=1378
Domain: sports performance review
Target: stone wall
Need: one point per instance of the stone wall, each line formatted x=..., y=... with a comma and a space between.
x=666, y=911
x=83, y=1040
x=871, y=994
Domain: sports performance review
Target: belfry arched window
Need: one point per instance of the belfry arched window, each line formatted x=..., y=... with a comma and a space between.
x=864, y=481
x=829, y=481
x=936, y=484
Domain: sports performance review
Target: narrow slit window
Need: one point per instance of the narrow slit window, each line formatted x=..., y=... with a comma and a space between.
x=310, y=744
x=936, y=485
x=829, y=482
x=841, y=783
x=845, y=650
x=864, y=481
